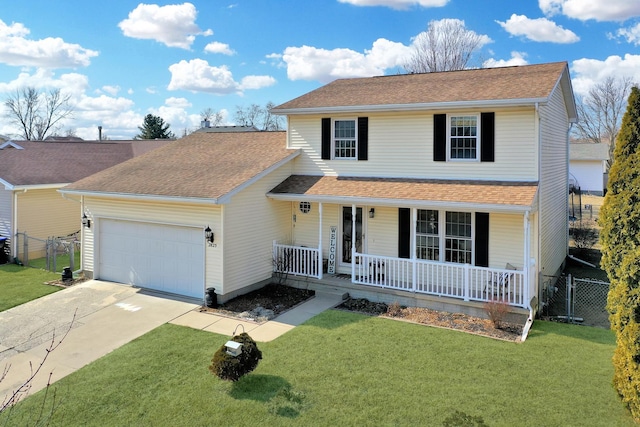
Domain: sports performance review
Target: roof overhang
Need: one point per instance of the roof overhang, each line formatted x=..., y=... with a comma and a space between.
x=416, y=107
x=140, y=197
x=18, y=187
x=491, y=196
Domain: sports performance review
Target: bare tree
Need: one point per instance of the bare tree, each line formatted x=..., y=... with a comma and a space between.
x=37, y=113
x=258, y=117
x=600, y=112
x=446, y=45
x=213, y=117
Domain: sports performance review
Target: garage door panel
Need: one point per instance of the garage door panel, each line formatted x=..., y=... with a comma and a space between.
x=161, y=257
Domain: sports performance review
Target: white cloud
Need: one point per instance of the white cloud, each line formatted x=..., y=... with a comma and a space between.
x=50, y=52
x=599, y=10
x=111, y=90
x=397, y=4
x=174, y=25
x=517, y=58
x=257, y=82
x=538, y=30
x=311, y=63
x=197, y=75
x=588, y=72
x=217, y=47
x=631, y=34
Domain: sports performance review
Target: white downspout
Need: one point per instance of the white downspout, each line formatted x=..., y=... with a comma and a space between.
x=353, y=242
x=527, y=276
x=14, y=231
x=320, y=259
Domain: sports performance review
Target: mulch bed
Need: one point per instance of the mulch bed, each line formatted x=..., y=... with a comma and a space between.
x=281, y=298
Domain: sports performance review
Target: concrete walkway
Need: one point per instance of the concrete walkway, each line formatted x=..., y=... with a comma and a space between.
x=102, y=316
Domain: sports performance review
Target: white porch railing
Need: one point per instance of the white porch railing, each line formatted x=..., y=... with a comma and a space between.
x=296, y=260
x=462, y=281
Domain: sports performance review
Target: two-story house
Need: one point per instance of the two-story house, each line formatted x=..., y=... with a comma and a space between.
x=443, y=190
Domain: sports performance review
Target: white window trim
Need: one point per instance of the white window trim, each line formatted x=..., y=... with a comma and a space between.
x=442, y=235
x=333, y=137
x=478, y=139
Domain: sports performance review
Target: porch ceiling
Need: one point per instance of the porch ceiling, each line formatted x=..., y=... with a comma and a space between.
x=492, y=195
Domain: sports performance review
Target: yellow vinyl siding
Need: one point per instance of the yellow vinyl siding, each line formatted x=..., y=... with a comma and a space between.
x=401, y=145
x=554, y=125
x=45, y=213
x=506, y=240
x=252, y=221
x=160, y=213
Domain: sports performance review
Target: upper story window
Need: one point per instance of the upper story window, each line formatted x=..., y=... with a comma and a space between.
x=464, y=142
x=344, y=139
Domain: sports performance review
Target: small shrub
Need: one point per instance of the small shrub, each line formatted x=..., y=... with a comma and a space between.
x=230, y=368
x=497, y=310
x=395, y=309
x=585, y=235
x=460, y=419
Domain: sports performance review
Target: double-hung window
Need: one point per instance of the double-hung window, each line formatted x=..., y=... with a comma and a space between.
x=345, y=141
x=427, y=235
x=458, y=238
x=464, y=137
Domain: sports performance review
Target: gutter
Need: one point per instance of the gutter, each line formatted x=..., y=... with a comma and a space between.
x=127, y=196
x=414, y=107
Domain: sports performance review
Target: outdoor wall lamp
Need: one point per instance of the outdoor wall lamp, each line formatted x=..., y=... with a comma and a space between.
x=86, y=221
x=372, y=213
x=208, y=235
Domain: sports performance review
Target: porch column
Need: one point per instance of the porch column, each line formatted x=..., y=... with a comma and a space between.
x=320, y=260
x=414, y=264
x=527, y=257
x=353, y=242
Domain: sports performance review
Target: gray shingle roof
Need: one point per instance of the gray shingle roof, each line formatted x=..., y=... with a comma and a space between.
x=201, y=165
x=41, y=163
x=487, y=84
x=588, y=151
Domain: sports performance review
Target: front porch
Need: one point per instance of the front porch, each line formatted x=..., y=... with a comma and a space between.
x=451, y=283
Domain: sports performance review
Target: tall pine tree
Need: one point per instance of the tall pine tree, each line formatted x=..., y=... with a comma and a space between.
x=620, y=240
x=154, y=127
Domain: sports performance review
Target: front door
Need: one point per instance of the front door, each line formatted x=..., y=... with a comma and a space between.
x=347, y=231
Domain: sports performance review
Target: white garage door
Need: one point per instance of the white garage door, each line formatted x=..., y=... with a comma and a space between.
x=160, y=257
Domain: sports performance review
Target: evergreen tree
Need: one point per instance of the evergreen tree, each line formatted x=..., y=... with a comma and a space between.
x=620, y=239
x=154, y=127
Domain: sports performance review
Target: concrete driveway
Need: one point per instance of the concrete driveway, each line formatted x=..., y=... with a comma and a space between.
x=107, y=316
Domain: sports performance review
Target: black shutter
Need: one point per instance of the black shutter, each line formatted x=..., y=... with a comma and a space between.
x=404, y=233
x=439, y=137
x=326, y=139
x=482, y=239
x=487, y=137
x=363, y=138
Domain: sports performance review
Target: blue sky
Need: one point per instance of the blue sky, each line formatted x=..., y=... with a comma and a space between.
x=120, y=60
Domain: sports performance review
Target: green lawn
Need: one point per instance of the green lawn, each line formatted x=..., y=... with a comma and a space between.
x=345, y=369
x=22, y=284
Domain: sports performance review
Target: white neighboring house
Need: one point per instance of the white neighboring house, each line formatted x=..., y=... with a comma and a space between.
x=444, y=190
x=588, y=167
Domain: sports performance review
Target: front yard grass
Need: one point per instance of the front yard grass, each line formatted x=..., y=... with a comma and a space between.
x=347, y=369
x=22, y=284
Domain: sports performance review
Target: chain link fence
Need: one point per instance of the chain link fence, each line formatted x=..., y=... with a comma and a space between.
x=52, y=253
x=576, y=300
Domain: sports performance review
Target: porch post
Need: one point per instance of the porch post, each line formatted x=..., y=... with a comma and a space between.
x=527, y=257
x=320, y=260
x=353, y=243
x=414, y=264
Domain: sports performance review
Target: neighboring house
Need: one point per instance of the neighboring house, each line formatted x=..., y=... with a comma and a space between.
x=588, y=167
x=444, y=190
x=31, y=173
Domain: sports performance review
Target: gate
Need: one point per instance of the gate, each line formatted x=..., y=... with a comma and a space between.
x=55, y=253
x=577, y=300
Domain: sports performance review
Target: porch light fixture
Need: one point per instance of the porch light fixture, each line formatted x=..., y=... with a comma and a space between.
x=86, y=221
x=372, y=213
x=208, y=235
